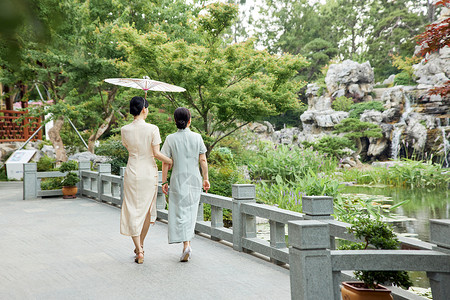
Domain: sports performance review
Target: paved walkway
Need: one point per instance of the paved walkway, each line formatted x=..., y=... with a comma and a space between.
x=71, y=249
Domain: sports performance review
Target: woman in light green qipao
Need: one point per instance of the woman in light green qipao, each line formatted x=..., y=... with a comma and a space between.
x=187, y=150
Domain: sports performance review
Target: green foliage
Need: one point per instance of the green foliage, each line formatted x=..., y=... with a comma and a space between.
x=288, y=195
x=380, y=236
x=417, y=174
x=393, y=32
x=288, y=162
x=290, y=118
x=222, y=171
x=319, y=52
x=281, y=194
x=358, y=108
x=408, y=174
x=71, y=179
x=227, y=85
x=333, y=145
x=342, y=104
x=43, y=143
x=45, y=164
x=51, y=183
x=117, y=153
x=356, y=129
x=67, y=166
x=403, y=78
x=349, y=207
x=405, y=64
x=319, y=185
x=71, y=139
x=3, y=176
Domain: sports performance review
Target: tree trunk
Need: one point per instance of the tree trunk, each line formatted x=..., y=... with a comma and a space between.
x=9, y=100
x=56, y=140
x=100, y=131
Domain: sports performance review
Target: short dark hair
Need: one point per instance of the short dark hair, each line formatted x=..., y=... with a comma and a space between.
x=182, y=116
x=137, y=104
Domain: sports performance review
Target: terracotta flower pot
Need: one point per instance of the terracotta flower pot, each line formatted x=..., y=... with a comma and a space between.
x=69, y=191
x=355, y=290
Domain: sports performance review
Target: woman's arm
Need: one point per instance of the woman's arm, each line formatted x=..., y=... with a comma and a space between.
x=165, y=170
x=204, y=166
x=161, y=156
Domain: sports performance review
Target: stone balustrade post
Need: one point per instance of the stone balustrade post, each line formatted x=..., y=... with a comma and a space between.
x=440, y=235
x=29, y=181
x=277, y=238
x=102, y=169
x=83, y=166
x=216, y=219
x=243, y=225
x=122, y=174
x=319, y=208
x=160, y=197
x=310, y=260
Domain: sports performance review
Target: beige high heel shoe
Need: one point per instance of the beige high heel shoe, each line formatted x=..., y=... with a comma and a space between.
x=139, y=259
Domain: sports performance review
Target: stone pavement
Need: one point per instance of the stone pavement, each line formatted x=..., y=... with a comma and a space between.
x=53, y=248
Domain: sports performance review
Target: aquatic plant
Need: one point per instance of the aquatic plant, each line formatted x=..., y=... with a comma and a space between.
x=289, y=162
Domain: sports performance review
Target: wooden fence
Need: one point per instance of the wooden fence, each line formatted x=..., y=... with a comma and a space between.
x=15, y=126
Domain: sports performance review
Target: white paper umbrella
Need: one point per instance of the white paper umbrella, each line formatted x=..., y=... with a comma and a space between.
x=145, y=84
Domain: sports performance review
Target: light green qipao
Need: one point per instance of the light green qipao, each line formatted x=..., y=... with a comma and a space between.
x=184, y=147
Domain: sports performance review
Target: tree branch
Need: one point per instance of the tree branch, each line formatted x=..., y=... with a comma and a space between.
x=227, y=134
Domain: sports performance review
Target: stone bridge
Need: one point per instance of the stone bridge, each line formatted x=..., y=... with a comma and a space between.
x=54, y=248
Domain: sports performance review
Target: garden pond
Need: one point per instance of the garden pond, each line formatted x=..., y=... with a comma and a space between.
x=410, y=219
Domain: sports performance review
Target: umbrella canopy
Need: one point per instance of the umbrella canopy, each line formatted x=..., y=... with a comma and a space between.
x=145, y=84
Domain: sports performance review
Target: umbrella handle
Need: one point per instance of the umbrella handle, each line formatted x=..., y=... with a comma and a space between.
x=145, y=95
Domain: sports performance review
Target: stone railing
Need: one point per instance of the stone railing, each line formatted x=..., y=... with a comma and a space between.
x=316, y=269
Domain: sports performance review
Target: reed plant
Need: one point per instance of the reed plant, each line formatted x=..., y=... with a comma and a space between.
x=288, y=194
x=289, y=162
x=407, y=173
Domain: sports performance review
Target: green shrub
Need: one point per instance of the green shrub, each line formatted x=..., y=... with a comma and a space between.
x=416, y=174
x=117, y=153
x=333, y=145
x=221, y=179
x=68, y=166
x=51, y=183
x=71, y=179
x=45, y=164
x=358, y=108
x=288, y=195
x=342, y=103
x=409, y=174
x=378, y=235
x=288, y=162
x=3, y=176
x=222, y=171
x=280, y=194
x=403, y=78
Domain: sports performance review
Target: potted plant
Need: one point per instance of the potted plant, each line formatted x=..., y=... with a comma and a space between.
x=377, y=235
x=70, y=180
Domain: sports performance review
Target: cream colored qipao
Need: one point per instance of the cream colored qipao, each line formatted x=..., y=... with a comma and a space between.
x=140, y=178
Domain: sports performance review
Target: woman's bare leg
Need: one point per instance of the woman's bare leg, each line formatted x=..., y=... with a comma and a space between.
x=137, y=244
x=145, y=228
x=186, y=244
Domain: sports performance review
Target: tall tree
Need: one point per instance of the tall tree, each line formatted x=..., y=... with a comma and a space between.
x=83, y=51
x=393, y=34
x=227, y=86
